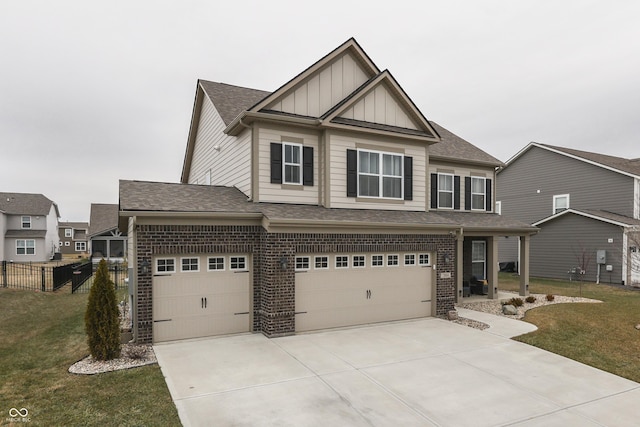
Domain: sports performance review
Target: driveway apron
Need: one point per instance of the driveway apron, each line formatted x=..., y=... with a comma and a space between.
x=426, y=372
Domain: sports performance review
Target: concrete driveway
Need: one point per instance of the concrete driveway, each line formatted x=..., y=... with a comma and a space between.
x=427, y=372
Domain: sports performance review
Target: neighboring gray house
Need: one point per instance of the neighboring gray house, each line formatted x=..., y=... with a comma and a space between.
x=73, y=237
x=105, y=238
x=329, y=202
x=583, y=203
x=28, y=227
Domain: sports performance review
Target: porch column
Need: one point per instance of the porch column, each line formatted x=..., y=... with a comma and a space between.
x=459, y=266
x=492, y=266
x=524, y=265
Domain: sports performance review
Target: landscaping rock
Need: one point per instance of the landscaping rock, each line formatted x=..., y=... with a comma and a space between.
x=638, y=326
x=509, y=310
x=452, y=314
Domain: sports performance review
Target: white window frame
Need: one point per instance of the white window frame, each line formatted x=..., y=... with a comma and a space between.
x=25, y=246
x=303, y=263
x=207, y=178
x=374, y=262
x=323, y=260
x=235, y=262
x=397, y=260
x=216, y=259
x=25, y=220
x=190, y=270
x=477, y=261
x=84, y=246
x=424, y=259
x=342, y=258
x=474, y=195
x=498, y=208
x=555, y=200
x=68, y=232
x=381, y=175
x=357, y=259
x=286, y=145
x=165, y=269
x=407, y=260
x=67, y=243
x=452, y=191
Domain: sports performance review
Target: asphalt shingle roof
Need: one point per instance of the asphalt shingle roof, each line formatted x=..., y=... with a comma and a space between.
x=231, y=100
x=454, y=147
x=25, y=204
x=103, y=217
x=26, y=233
x=626, y=165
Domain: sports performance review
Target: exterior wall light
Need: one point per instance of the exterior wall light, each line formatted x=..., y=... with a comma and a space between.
x=284, y=262
x=144, y=265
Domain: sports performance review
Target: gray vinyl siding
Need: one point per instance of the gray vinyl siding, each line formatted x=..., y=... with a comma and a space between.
x=559, y=245
x=508, y=249
x=589, y=186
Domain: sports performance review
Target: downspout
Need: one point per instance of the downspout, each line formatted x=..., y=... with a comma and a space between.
x=252, y=163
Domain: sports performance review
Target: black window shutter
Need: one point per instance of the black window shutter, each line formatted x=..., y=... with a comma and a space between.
x=467, y=193
x=408, y=178
x=276, y=163
x=434, y=191
x=456, y=192
x=307, y=165
x=352, y=173
x=488, y=195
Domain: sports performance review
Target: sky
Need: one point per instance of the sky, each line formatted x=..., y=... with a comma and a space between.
x=93, y=92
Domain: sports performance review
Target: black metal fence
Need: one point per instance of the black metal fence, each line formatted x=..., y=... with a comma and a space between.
x=45, y=277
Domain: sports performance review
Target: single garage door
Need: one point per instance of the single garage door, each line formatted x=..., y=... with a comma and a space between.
x=334, y=290
x=200, y=295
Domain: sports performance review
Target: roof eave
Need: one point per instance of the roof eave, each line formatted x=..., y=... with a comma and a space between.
x=465, y=161
x=244, y=119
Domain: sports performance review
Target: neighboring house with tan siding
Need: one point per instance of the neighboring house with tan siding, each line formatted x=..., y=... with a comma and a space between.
x=318, y=205
x=583, y=202
x=28, y=226
x=106, y=241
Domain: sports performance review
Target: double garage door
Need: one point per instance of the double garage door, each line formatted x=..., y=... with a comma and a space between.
x=334, y=290
x=200, y=295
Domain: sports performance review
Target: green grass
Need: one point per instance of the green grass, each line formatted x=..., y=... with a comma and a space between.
x=41, y=335
x=600, y=335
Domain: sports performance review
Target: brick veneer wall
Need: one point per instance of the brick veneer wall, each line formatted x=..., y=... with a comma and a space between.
x=273, y=286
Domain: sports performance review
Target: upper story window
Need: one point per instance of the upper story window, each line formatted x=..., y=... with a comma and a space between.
x=26, y=222
x=68, y=232
x=478, y=193
x=380, y=174
x=292, y=165
x=445, y=191
x=560, y=203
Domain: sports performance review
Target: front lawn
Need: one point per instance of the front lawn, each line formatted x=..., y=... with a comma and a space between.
x=41, y=335
x=600, y=335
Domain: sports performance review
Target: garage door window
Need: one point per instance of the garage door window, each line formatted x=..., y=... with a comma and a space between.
x=377, y=260
x=423, y=259
x=321, y=263
x=238, y=263
x=342, y=261
x=302, y=263
x=216, y=263
x=358, y=261
x=392, y=260
x=165, y=265
x=410, y=259
x=190, y=264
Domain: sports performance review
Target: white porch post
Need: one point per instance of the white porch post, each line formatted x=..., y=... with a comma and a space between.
x=524, y=265
x=492, y=266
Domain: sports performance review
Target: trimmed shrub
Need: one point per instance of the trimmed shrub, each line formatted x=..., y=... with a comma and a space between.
x=550, y=297
x=530, y=299
x=516, y=302
x=101, y=320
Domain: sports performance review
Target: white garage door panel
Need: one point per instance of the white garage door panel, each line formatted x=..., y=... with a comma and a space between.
x=199, y=304
x=353, y=296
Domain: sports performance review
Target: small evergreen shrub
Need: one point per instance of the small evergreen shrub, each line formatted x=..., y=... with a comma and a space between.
x=101, y=320
x=530, y=299
x=550, y=297
x=516, y=302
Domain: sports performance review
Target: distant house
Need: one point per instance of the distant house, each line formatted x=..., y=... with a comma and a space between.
x=28, y=227
x=74, y=241
x=105, y=239
x=585, y=204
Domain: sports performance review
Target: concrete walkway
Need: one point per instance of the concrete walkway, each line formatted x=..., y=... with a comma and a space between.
x=498, y=325
x=426, y=372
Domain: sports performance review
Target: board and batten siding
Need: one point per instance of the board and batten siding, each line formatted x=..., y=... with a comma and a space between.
x=559, y=246
x=463, y=171
x=338, y=146
x=588, y=186
x=324, y=89
x=226, y=158
x=285, y=193
x=380, y=106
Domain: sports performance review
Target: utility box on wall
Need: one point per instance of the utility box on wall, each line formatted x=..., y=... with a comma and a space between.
x=601, y=256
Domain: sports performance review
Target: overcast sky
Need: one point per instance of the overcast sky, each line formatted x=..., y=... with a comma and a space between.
x=93, y=92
